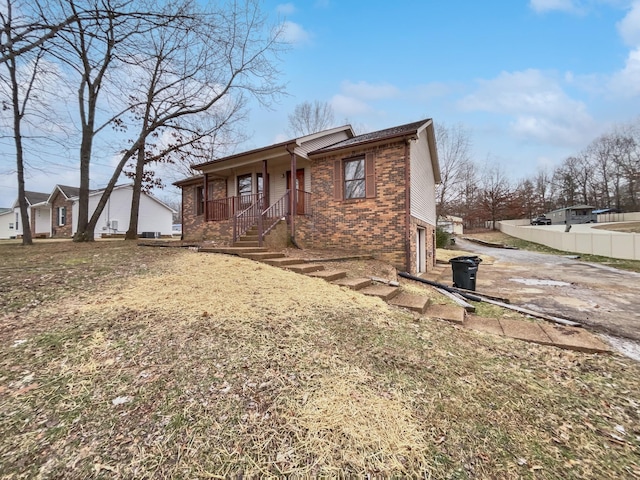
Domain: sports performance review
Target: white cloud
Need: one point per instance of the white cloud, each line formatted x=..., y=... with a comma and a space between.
x=542, y=6
x=294, y=33
x=626, y=82
x=629, y=26
x=286, y=8
x=539, y=108
x=349, y=106
x=369, y=91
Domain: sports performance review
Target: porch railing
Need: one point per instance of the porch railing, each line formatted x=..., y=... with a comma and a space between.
x=272, y=215
x=225, y=208
x=247, y=218
x=254, y=214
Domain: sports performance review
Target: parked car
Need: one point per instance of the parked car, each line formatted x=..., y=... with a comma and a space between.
x=541, y=220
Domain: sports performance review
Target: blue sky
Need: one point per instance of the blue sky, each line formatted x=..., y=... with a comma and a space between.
x=532, y=81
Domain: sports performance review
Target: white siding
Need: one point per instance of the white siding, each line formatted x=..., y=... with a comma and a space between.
x=153, y=216
x=423, y=188
x=42, y=216
x=6, y=219
x=321, y=142
x=18, y=223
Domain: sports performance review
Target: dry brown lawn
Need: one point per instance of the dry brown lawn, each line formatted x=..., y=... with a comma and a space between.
x=626, y=227
x=118, y=361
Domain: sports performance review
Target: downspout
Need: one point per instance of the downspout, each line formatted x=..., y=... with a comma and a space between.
x=293, y=197
x=407, y=207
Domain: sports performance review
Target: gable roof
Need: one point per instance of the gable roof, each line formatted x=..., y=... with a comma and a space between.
x=406, y=130
x=33, y=198
x=283, y=147
x=67, y=191
x=409, y=130
x=4, y=211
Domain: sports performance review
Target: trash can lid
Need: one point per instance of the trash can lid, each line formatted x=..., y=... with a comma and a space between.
x=466, y=259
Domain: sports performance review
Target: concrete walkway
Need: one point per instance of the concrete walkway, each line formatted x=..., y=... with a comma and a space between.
x=534, y=331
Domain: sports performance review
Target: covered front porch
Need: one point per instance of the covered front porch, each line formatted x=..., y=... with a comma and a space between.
x=257, y=194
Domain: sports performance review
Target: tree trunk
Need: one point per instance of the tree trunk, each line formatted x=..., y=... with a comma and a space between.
x=83, y=233
x=132, y=233
x=17, y=135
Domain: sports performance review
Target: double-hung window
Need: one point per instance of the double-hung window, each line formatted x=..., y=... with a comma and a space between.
x=354, y=178
x=62, y=216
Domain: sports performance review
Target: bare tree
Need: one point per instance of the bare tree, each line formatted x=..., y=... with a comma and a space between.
x=22, y=71
x=542, y=189
x=310, y=117
x=454, y=156
x=193, y=77
x=496, y=192
x=627, y=159
x=89, y=46
x=34, y=29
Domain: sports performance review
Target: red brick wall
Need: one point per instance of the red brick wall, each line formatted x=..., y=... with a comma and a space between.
x=64, y=231
x=430, y=230
x=371, y=225
x=194, y=228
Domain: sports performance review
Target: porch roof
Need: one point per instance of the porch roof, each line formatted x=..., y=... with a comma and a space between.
x=33, y=198
x=300, y=146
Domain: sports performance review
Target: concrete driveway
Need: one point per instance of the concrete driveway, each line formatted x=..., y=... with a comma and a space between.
x=605, y=299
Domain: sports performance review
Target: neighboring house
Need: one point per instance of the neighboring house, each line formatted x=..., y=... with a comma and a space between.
x=573, y=215
x=372, y=193
x=39, y=214
x=154, y=216
x=451, y=224
x=56, y=214
x=61, y=201
x=7, y=223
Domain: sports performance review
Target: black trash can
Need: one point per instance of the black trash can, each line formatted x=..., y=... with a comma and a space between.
x=465, y=270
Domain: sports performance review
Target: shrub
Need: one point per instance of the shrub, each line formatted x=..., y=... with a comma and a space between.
x=443, y=239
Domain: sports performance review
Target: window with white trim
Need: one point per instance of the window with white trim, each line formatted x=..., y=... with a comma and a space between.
x=62, y=216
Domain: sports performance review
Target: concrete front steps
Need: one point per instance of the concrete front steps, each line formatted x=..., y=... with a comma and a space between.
x=390, y=294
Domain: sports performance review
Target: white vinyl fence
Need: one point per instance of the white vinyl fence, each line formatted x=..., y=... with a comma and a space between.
x=586, y=240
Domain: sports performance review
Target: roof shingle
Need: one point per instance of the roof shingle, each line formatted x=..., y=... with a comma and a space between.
x=392, y=132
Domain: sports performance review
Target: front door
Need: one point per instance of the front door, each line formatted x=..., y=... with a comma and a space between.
x=299, y=189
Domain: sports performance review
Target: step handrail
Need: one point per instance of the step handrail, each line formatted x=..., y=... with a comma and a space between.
x=245, y=219
x=272, y=215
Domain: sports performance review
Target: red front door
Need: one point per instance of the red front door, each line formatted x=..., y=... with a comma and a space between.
x=299, y=188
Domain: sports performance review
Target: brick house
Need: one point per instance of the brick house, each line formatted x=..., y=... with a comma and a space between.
x=61, y=203
x=372, y=193
x=55, y=214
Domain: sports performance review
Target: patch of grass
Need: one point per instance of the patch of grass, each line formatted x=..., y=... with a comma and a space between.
x=202, y=366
